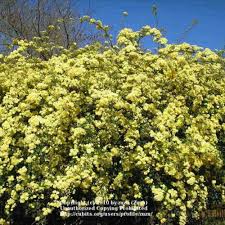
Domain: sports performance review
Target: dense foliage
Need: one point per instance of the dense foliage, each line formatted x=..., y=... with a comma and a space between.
x=112, y=122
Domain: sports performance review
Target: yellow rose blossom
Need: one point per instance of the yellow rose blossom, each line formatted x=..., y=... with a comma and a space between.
x=112, y=122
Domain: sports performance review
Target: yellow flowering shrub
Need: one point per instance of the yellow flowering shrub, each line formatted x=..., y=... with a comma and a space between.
x=112, y=122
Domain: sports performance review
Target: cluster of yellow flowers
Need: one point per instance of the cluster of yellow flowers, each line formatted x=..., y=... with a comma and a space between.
x=115, y=123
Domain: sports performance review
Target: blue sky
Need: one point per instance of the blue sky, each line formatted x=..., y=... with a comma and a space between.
x=174, y=15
